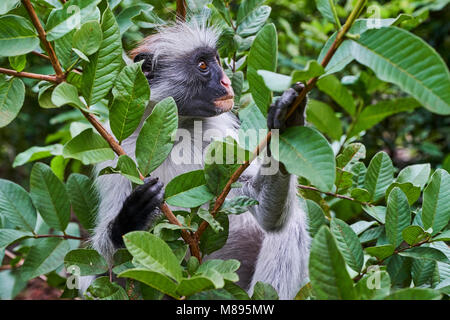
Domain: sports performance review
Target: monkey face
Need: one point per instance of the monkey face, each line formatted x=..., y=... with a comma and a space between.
x=195, y=80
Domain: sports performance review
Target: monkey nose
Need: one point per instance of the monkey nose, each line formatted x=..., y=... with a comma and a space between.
x=225, y=81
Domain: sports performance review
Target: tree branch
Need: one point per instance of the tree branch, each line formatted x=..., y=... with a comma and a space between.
x=42, y=36
x=62, y=236
x=30, y=75
x=181, y=10
x=337, y=42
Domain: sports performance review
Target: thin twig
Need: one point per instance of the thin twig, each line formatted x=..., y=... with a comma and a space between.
x=62, y=236
x=42, y=36
x=40, y=55
x=336, y=195
x=30, y=75
x=337, y=42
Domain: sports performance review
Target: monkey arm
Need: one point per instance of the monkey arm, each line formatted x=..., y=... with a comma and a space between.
x=273, y=192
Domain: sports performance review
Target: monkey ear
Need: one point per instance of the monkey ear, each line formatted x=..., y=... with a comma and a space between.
x=148, y=61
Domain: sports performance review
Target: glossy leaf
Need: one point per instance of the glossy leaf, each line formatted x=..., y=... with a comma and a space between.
x=155, y=141
x=323, y=117
x=306, y=153
x=88, y=38
x=36, y=153
x=17, y=36
x=88, y=147
x=89, y=261
x=12, y=95
x=188, y=190
x=328, y=275
x=99, y=74
x=348, y=244
x=16, y=206
x=436, y=202
x=50, y=197
x=262, y=56
x=336, y=90
x=131, y=95
x=398, y=216
x=379, y=176
x=417, y=174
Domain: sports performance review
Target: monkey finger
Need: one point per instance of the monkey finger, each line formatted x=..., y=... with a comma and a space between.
x=155, y=201
x=152, y=191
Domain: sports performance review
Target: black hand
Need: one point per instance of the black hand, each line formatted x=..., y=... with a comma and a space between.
x=276, y=118
x=138, y=210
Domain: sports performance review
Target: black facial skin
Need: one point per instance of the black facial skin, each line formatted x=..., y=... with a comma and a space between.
x=200, y=88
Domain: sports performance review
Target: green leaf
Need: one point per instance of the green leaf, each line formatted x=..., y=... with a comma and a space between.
x=329, y=278
x=376, y=212
x=311, y=70
x=100, y=73
x=131, y=95
x=264, y=291
x=44, y=256
x=88, y=147
x=338, y=92
x=155, y=141
x=197, y=283
x=12, y=95
x=316, y=217
x=380, y=174
x=126, y=167
x=412, y=192
x=381, y=252
x=444, y=236
x=8, y=5
x=414, y=294
x=398, y=216
x=237, y=205
x=404, y=59
x=426, y=253
x=18, y=63
x=49, y=196
x=65, y=93
x=416, y=174
x=62, y=21
x=414, y=234
x=361, y=226
x=253, y=22
x=188, y=190
x=246, y=8
x=350, y=155
x=17, y=36
x=153, y=253
x=436, y=202
x=205, y=215
x=12, y=284
x=348, y=244
x=253, y=127
x=373, y=114
x=326, y=8
x=262, y=56
x=84, y=199
x=124, y=19
x=323, y=117
x=422, y=271
x=103, y=289
x=306, y=153
x=8, y=236
x=36, y=153
x=153, y=279
x=275, y=81
x=89, y=261
x=360, y=194
x=222, y=158
x=88, y=38
x=210, y=240
x=223, y=10
x=16, y=206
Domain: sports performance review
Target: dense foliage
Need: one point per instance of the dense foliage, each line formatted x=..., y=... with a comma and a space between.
x=372, y=162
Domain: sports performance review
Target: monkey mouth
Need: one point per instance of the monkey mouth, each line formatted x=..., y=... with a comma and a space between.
x=225, y=103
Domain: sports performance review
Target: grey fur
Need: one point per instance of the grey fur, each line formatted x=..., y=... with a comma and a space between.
x=271, y=240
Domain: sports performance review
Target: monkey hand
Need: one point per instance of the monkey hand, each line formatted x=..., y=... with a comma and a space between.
x=276, y=118
x=146, y=197
x=138, y=210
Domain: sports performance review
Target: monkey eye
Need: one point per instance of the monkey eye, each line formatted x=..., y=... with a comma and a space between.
x=202, y=66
